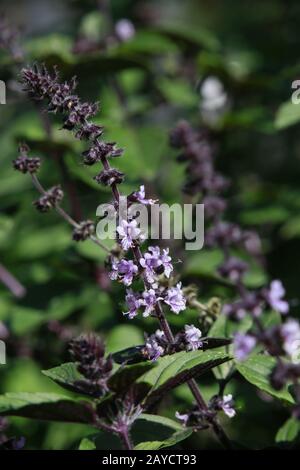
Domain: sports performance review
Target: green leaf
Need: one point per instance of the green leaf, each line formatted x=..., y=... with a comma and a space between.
x=23, y=319
x=178, y=92
x=226, y=328
x=167, y=422
x=57, y=45
x=289, y=431
x=172, y=371
x=148, y=432
x=43, y=242
x=257, y=369
x=166, y=432
x=124, y=336
x=90, y=250
x=196, y=36
x=170, y=366
x=291, y=228
x=125, y=376
x=171, y=441
x=132, y=355
x=87, y=444
x=148, y=42
x=265, y=215
x=287, y=115
x=204, y=263
x=45, y=406
x=93, y=26
x=64, y=375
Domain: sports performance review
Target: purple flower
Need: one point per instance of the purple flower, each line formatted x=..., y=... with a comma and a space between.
x=149, y=301
x=124, y=29
x=166, y=262
x=235, y=310
x=175, y=299
x=128, y=233
x=223, y=234
x=243, y=345
x=192, y=337
x=274, y=297
x=252, y=243
x=150, y=262
x=290, y=332
x=213, y=206
x=153, y=349
x=250, y=303
x=182, y=417
x=154, y=263
x=134, y=302
x=123, y=270
x=4, y=332
x=233, y=268
x=227, y=406
x=140, y=196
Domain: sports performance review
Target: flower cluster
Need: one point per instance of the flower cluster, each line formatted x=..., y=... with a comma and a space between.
x=153, y=268
x=198, y=153
x=123, y=270
x=26, y=164
x=148, y=300
x=140, y=197
x=158, y=345
x=83, y=231
x=9, y=39
x=129, y=234
x=197, y=420
x=156, y=262
x=280, y=340
x=41, y=85
x=49, y=199
x=225, y=404
x=88, y=352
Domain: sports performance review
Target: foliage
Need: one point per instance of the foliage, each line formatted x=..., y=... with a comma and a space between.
x=150, y=73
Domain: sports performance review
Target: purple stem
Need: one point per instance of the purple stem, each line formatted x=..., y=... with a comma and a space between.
x=11, y=283
x=170, y=337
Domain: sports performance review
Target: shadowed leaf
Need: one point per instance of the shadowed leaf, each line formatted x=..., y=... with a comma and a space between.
x=45, y=406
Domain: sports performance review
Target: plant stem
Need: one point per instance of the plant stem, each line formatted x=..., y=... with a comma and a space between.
x=64, y=214
x=125, y=438
x=170, y=337
x=68, y=182
x=11, y=282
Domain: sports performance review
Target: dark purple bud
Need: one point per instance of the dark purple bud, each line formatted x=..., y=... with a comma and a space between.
x=223, y=234
x=89, y=131
x=283, y=373
x=214, y=206
x=85, y=229
x=233, y=268
x=252, y=243
x=88, y=351
x=50, y=199
x=181, y=134
x=79, y=114
x=23, y=163
x=9, y=39
x=109, y=177
x=101, y=150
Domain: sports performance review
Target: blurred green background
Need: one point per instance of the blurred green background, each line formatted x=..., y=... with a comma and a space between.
x=145, y=85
